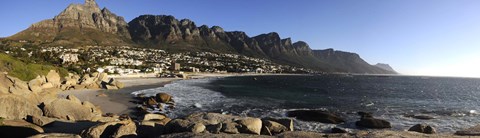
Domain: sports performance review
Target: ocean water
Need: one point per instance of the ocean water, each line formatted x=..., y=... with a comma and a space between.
x=455, y=102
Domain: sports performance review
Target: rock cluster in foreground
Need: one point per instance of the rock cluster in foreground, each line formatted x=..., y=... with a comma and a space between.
x=29, y=106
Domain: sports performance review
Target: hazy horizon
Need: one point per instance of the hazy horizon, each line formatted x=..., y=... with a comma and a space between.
x=428, y=37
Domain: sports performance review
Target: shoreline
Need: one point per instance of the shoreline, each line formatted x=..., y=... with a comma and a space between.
x=118, y=101
x=121, y=101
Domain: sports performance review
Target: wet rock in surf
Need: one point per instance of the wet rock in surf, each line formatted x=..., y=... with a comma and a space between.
x=373, y=123
x=422, y=128
x=316, y=115
x=163, y=97
x=367, y=121
x=151, y=102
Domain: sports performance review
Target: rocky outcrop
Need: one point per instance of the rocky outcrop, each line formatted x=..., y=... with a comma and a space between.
x=17, y=107
x=13, y=85
x=368, y=121
x=220, y=123
x=35, y=85
x=197, y=128
x=31, y=102
x=422, y=128
x=250, y=125
x=178, y=125
x=91, y=81
x=52, y=82
x=53, y=78
x=290, y=134
x=111, y=129
x=273, y=127
x=316, y=115
x=68, y=109
x=287, y=122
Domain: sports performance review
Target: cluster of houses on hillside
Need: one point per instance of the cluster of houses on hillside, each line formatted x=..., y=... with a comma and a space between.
x=131, y=60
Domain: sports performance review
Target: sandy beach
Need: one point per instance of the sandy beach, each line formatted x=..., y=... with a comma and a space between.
x=118, y=101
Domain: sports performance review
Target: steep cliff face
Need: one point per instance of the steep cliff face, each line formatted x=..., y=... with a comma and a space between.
x=79, y=24
x=169, y=33
x=244, y=44
x=302, y=48
x=271, y=44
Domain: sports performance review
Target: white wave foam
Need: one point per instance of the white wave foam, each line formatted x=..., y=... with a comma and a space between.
x=190, y=97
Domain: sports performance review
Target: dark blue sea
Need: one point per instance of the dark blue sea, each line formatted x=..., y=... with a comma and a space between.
x=454, y=102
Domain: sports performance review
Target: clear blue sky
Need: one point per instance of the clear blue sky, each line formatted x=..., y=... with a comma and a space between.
x=423, y=37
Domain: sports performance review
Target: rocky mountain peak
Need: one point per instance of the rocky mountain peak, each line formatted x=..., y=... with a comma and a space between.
x=287, y=42
x=300, y=44
x=269, y=38
x=187, y=22
x=217, y=29
x=106, y=11
x=71, y=25
x=274, y=35
x=91, y=3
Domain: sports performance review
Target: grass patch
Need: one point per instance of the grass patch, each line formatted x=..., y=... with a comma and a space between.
x=25, y=71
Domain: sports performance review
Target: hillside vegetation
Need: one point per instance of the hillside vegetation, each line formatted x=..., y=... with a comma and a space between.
x=25, y=71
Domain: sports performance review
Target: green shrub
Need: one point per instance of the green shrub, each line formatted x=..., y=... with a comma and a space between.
x=26, y=71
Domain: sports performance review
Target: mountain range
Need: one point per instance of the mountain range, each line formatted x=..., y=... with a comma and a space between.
x=88, y=24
